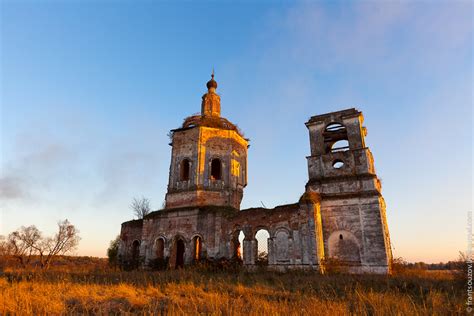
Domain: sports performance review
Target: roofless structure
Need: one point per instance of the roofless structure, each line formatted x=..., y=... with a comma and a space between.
x=340, y=215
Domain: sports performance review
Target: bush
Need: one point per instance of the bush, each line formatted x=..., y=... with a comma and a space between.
x=399, y=265
x=112, y=252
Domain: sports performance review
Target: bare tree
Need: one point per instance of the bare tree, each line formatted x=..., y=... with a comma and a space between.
x=26, y=242
x=141, y=207
x=23, y=243
x=66, y=240
x=4, y=246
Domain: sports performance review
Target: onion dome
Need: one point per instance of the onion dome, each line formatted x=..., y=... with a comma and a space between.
x=211, y=83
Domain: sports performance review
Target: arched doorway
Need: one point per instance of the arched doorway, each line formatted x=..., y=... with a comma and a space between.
x=135, y=249
x=135, y=262
x=240, y=250
x=180, y=248
x=236, y=243
x=160, y=248
x=261, y=238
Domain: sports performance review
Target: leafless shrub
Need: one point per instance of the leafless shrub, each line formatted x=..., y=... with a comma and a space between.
x=141, y=207
x=22, y=244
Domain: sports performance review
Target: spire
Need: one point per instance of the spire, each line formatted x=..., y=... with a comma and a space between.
x=211, y=102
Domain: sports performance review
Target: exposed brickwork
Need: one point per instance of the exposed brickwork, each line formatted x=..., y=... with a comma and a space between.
x=340, y=215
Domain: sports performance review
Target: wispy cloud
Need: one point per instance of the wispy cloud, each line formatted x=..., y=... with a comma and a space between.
x=385, y=33
x=36, y=169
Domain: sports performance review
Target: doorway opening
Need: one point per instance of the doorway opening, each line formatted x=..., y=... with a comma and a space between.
x=180, y=253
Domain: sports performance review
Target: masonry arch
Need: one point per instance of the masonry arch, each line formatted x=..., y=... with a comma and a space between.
x=160, y=247
x=334, y=127
x=178, y=250
x=335, y=138
x=262, y=238
x=242, y=247
x=135, y=249
x=197, y=248
x=340, y=145
x=184, y=169
x=216, y=169
x=237, y=244
x=343, y=245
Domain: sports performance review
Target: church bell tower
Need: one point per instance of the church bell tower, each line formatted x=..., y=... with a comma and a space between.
x=208, y=158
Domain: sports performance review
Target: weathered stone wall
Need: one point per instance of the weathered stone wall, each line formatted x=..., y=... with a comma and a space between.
x=185, y=224
x=354, y=232
x=131, y=232
x=295, y=234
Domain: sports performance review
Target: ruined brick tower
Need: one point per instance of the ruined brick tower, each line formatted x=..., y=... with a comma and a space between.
x=341, y=170
x=208, y=159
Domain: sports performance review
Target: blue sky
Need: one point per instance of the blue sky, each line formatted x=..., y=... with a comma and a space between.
x=90, y=89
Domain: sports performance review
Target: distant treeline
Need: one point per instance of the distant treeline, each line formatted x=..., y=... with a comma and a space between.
x=458, y=265
x=450, y=265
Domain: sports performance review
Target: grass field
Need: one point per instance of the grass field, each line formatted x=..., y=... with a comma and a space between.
x=195, y=291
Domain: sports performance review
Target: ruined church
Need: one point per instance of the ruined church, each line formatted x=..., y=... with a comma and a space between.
x=340, y=215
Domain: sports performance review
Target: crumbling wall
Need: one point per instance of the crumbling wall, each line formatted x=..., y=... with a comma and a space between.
x=293, y=240
x=130, y=233
x=186, y=223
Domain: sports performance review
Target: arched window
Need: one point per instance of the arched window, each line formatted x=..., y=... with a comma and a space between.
x=216, y=169
x=335, y=138
x=340, y=145
x=335, y=127
x=160, y=248
x=197, y=247
x=338, y=164
x=135, y=250
x=184, y=170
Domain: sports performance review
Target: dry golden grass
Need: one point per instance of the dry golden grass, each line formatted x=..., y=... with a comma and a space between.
x=199, y=291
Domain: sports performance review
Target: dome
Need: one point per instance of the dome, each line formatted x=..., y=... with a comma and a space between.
x=212, y=83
